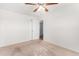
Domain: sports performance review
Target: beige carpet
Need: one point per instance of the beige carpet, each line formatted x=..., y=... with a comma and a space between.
x=35, y=48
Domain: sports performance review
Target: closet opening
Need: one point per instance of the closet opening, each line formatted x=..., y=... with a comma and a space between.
x=41, y=30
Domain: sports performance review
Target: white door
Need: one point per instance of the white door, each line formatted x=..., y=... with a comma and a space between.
x=34, y=29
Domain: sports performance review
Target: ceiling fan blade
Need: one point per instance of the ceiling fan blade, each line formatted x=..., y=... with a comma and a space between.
x=35, y=9
x=30, y=4
x=46, y=9
x=51, y=3
x=44, y=6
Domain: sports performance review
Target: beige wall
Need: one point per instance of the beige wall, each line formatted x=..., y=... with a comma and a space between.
x=61, y=26
x=15, y=28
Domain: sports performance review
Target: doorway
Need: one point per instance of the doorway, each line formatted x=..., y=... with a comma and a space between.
x=41, y=30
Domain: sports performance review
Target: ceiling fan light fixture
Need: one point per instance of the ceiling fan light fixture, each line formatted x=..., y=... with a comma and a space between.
x=40, y=8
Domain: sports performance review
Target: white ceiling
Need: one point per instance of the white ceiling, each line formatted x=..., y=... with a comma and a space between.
x=16, y=7
x=28, y=10
x=19, y=7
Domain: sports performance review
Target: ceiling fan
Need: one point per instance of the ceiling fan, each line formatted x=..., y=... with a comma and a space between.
x=42, y=5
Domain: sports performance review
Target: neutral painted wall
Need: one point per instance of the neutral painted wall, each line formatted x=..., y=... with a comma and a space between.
x=16, y=28
x=61, y=26
x=36, y=27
